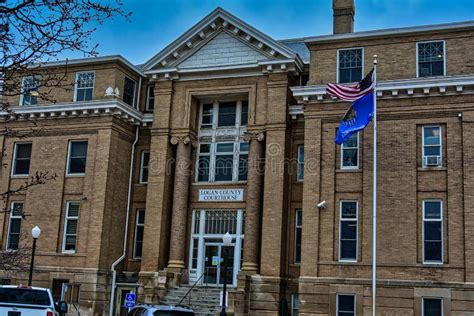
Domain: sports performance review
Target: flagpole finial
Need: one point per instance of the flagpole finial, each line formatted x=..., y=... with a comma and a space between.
x=375, y=59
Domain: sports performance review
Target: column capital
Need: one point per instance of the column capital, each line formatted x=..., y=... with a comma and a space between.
x=185, y=139
x=254, y=135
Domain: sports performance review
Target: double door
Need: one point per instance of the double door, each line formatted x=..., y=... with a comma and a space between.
x=215, y=257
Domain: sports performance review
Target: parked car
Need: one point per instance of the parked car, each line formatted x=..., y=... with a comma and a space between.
x=29, y=301
x=159, y=310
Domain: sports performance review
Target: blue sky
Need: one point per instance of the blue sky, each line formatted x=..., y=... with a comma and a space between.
x=156, y=23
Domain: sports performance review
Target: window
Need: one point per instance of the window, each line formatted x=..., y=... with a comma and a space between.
x=432, y=231
x=227, y=114
x=84, y=86
x=70, y=227
x=71, y=293
x=350, y=152
x=129, y=91
x=145, y=161
x=298, y=234
x=431, y=59
x=21, y=159
x=245, y=113
x=243, y=161
x=346, y=305
x=77, y=157
x=204, y=162
x=300, y=164
x=295, y=305
x=14, y=226
x=57, y=288
x=150, y=98
x=431, y=146
x=348, y=231
x=432, y=306
x=29, y=91
x=350, y=63
x=224, y=161
x=139, y=229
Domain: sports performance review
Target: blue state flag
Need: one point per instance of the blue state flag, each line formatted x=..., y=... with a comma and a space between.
x=356, y=118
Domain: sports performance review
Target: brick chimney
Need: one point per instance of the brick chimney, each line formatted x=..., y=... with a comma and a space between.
x=344, y=11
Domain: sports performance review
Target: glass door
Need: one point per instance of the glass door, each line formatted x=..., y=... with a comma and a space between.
x=227, y=252
x=211, y=264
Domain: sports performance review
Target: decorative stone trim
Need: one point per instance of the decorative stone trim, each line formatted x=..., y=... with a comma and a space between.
x=259, y=136
x=390, y=89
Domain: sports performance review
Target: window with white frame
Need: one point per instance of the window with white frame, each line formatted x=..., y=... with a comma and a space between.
x=431, y=59
x=145, y=161
x=295, y=305
x=348, y=231
x=345, y=305
x=350, y=64
x=300, y=164
x=432, y=155
x=129, y=91
x=432, y=306
x=298, y=234
x=71, y=221
x=150, y=98
x=139, y=230
x=29, y=91
x=14, y=225
x=222, y=153
x=77, y=157
x=350, y=152
x=432, y=231
x=21, y=159
x=84, y=86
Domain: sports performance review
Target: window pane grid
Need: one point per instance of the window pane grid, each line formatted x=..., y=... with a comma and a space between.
x=150, y=102
x=84, y=86
x=129, y=91
x=22, y=158
x=145, y=160
x=300, y=164
x=432, y=232
x=29, y=85
x=77, y=157
x=431, y=59
x=298, y=234
x=350, y=152
x=348, y=230
x=350, y=65
x=71, y=226
x=221, y=222
x=139, y=232
x=14, y=229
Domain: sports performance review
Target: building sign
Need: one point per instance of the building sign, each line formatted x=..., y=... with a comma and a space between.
x=221, y=195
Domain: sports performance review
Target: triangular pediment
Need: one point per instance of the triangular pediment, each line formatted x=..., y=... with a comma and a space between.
x=220, y=39
x=222, y=50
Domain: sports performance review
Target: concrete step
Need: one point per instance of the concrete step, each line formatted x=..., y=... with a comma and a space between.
x=203, y=300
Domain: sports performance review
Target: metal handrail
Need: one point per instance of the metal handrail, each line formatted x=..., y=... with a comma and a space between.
x=192, y=287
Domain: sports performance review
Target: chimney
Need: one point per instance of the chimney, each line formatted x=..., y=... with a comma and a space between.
x=344, y=11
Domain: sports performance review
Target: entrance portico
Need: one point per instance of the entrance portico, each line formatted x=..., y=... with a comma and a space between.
x=206, y=251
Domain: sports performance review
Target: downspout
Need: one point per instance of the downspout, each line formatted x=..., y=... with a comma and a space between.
x=125, y=238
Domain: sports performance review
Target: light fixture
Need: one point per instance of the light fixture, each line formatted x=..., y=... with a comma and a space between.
x=227, y=239
x=35, y=232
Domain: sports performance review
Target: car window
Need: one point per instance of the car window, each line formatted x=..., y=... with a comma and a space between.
x=172, y=313
x=138, y=311
x=24, y=296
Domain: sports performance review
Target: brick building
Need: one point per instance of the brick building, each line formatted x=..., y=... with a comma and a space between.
x=229, y=130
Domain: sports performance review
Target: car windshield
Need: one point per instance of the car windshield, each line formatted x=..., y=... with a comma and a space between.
x=24, y=296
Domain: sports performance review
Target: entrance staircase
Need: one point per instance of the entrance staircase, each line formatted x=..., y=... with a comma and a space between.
x=203, y=300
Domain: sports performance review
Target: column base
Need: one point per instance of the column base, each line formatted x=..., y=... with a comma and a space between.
x=176, y=264
x=250, y=268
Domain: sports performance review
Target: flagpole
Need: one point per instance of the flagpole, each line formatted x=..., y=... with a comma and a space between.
x=374, y=199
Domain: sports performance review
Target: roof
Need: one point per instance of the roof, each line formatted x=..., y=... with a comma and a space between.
x=298, y=46
x=390, y=31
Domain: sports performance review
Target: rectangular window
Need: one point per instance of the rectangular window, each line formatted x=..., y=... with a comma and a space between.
x=207, y=115
x=431, y=59
x=129, y=91
x=432, y=306
x=227, y=114
x=295, y=305
x=432, y=231
x=300, y=164
x=145, y=161
x=348, y=231
x=224, y=162
x=139, y=229
x=204, y=162
x=84, y=86
x=432, y=156
x=350, y=64
x=298, y=234
x=150, y=98
x=21, y=159
x=29, y=91
x=77, y=156
x=244, y=113
x=243, y=161
x=350, y=152
x=70, y=227
x=14, y=226
x=346, y=305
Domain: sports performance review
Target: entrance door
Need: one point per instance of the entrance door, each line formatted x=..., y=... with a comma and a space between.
x=122, y=291
x=214, y=264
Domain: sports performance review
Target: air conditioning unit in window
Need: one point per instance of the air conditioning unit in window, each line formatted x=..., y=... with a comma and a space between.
x=432, y=161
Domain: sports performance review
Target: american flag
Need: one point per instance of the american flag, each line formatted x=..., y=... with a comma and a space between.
x=351, y=92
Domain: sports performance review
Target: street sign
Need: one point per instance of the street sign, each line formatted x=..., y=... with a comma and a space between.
x=130, y=299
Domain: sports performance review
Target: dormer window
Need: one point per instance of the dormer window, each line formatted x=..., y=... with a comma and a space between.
x=431, y=59
x=350, y=63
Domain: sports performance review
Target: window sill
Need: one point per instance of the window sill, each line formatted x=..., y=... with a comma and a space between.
x=219, y=183
x=19, y=176
x=142, y=183
x=349, y=170
x=75, y=175
x=347, y=261
x=440, y=168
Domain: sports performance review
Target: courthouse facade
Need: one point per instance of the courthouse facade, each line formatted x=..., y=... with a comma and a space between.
x=229, y=130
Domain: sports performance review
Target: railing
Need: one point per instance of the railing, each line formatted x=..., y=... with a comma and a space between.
x=189, y=292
